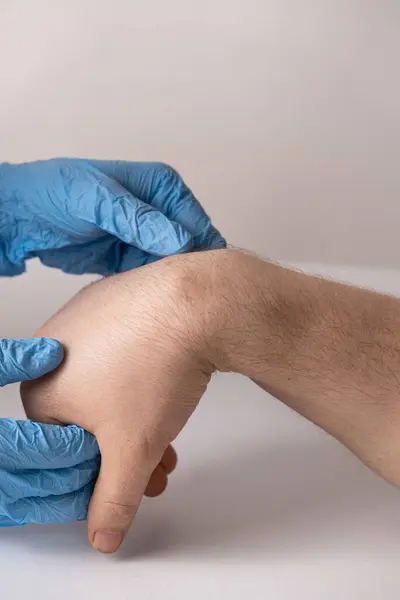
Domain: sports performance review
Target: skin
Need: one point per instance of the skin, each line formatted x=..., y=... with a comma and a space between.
x=142, y=347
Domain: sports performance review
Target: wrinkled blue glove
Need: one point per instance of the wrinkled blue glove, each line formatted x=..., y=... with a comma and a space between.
x=47, y=472
x=102, y=217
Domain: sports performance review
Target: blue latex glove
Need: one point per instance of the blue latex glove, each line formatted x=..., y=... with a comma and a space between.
x=100, y=217
x=47, y=472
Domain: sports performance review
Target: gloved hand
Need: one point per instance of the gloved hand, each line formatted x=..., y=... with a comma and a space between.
x=47, y=472
x=94, y=216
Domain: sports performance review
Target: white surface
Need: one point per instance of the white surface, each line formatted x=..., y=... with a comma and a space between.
x=263, y=504
x=287, y=112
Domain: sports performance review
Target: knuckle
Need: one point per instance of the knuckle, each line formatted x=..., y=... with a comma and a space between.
x=166, y=172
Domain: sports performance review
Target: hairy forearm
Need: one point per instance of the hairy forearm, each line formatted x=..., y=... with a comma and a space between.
x=329, y=351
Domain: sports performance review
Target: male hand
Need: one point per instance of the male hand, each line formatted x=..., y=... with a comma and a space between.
x=142, y=348
x=136, y=366
x=47, y=472
x=91, y=216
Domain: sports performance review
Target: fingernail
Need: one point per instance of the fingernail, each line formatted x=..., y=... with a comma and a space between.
x=107, y=541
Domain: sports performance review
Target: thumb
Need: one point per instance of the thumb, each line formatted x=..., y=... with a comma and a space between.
x=124, y=474
x=133, y=221
x=21, y=360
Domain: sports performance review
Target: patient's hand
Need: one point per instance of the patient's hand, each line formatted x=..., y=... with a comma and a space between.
x=134, y=371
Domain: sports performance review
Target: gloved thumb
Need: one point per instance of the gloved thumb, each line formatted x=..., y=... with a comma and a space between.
x=124, y=474
x=21, y=360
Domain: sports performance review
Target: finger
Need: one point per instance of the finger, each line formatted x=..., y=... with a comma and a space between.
x=157, y=483
x=109, y=206
x=159, y=478
x=28, y=445
x=99, y=256
x=21, y=360
x=169, y=460
x=162, y=187
x=104, y=256
x=131, y=258
x=124, y=474
x=37, y=483
x=53, y=509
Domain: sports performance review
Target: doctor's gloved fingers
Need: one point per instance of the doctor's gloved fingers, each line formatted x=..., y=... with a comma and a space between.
x=138, y=224
x=52, y=509
x=173, y=197
x=28, y=445
x=41, y=483
x=161, y=186
x=105, y=256
x=116, y=211
x=22, y=360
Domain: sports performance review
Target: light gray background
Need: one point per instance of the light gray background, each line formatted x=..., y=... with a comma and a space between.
x=283, y=116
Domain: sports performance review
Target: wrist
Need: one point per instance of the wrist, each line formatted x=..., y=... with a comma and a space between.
x=237, y=308
x=224, y=306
